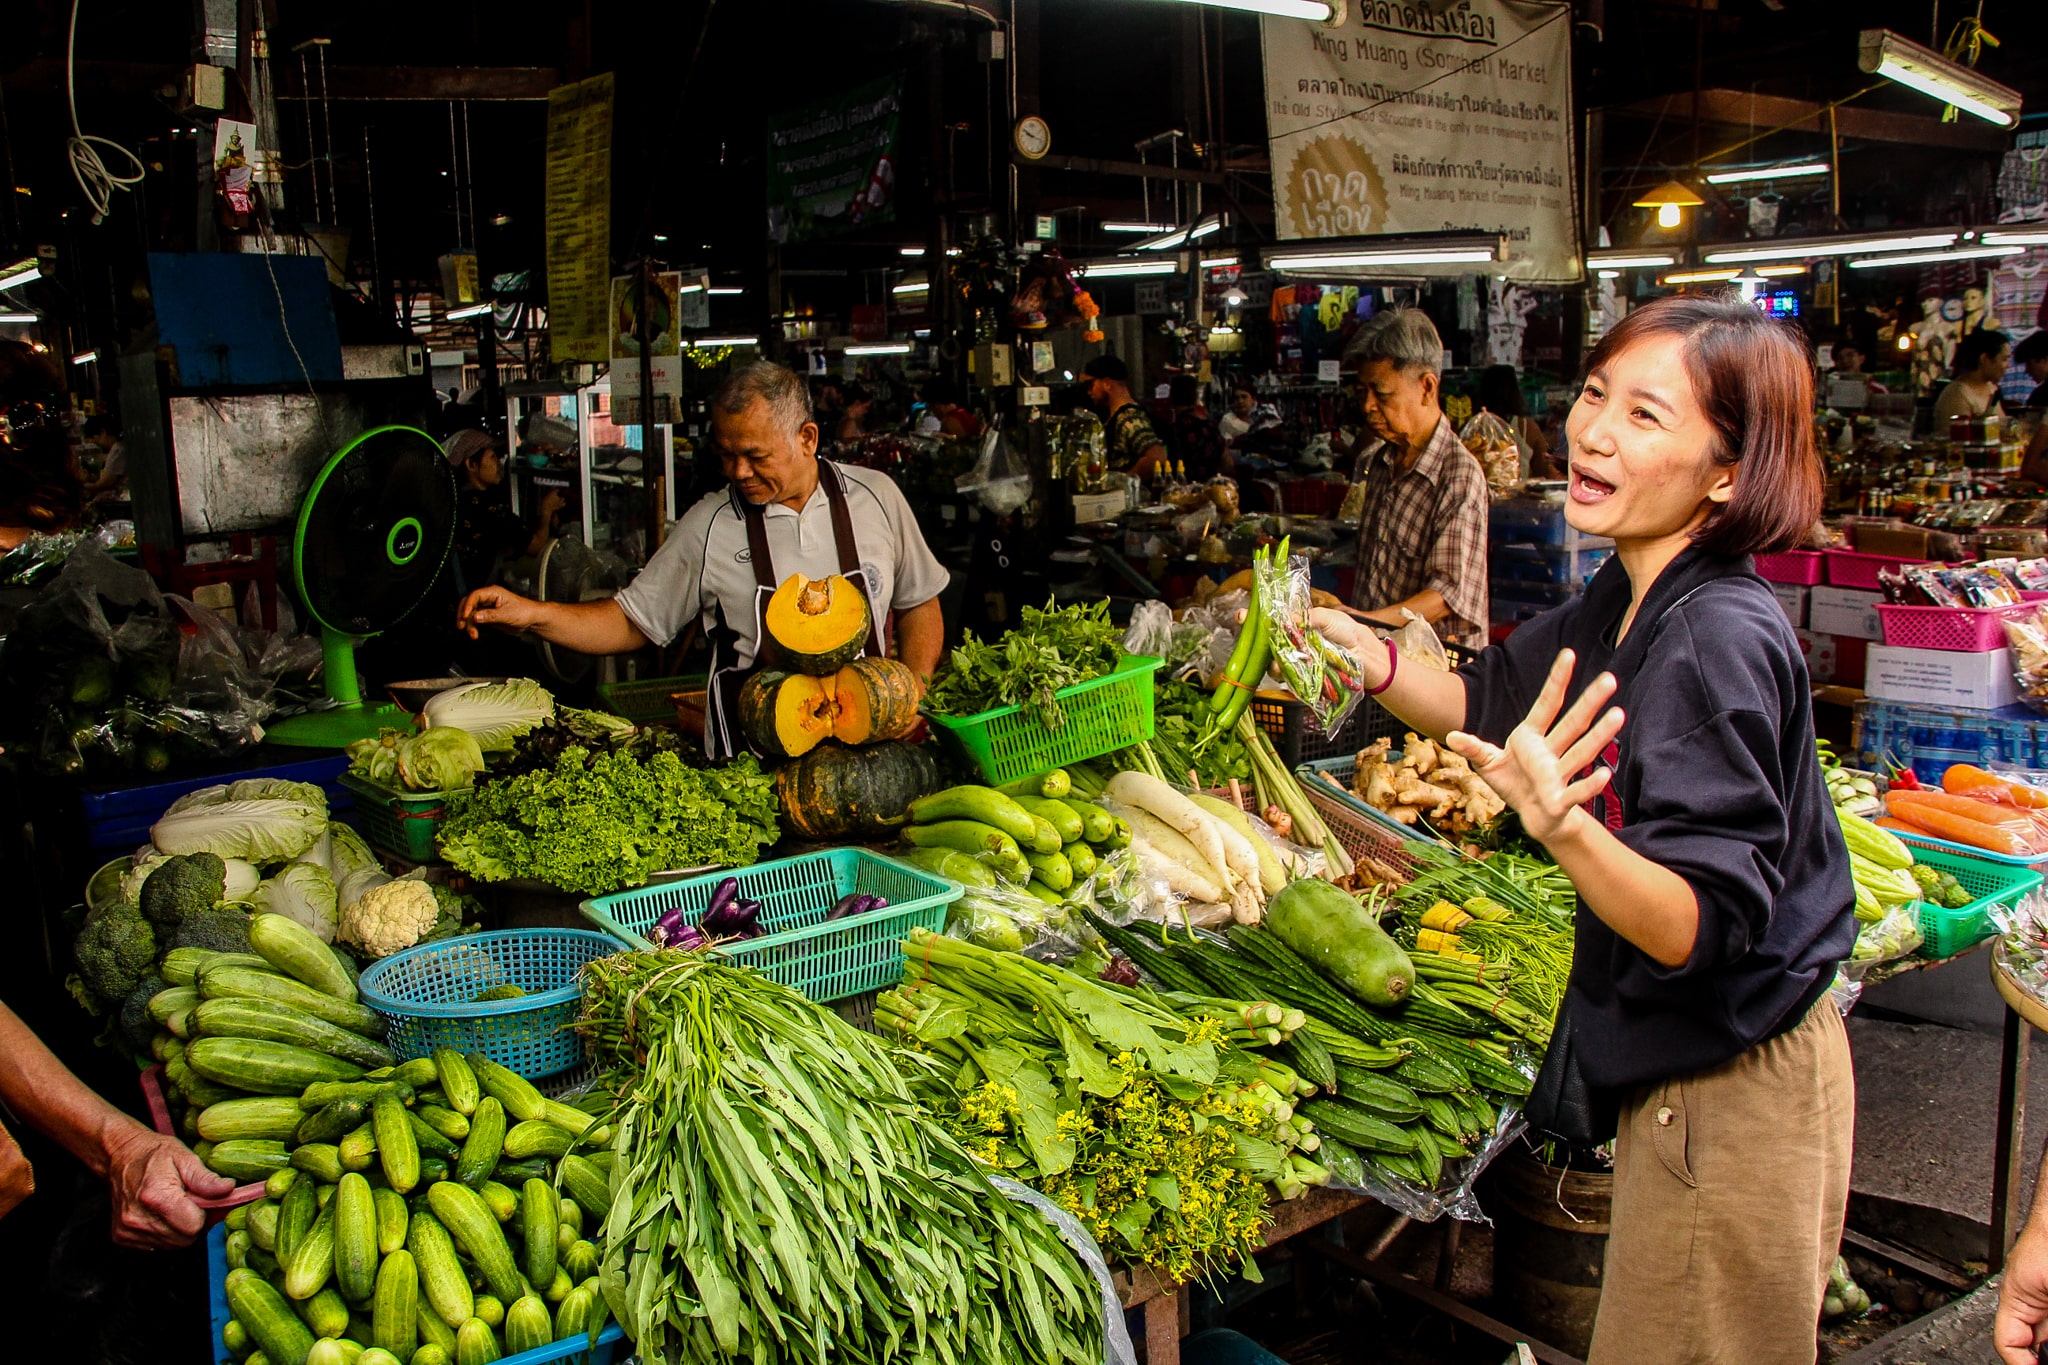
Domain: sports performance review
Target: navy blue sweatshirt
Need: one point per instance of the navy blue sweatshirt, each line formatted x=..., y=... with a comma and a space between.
x=1717, y=780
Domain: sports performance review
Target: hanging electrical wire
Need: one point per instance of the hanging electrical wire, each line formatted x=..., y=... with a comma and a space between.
x=95, y=179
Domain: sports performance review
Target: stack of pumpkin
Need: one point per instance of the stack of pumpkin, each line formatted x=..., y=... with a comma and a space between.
x=834, y=715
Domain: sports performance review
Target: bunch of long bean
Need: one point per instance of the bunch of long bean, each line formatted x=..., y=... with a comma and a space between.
x=777, y=1194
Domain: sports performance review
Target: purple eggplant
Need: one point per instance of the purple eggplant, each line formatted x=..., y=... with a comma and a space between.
x=688, y=938
x=722, y=896
x=852, y=903
x=665, y=929
x=733, y=919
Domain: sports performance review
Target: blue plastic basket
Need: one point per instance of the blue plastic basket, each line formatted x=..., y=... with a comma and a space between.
x=572, y=1351
x=427, y=996
x=825, y=960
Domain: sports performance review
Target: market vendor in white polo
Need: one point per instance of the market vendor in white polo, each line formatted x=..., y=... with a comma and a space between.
x=786, y=512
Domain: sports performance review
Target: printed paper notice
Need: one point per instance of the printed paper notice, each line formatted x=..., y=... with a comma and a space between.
x=579, y=219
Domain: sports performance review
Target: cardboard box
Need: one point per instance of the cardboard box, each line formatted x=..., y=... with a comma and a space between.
x=1941, y=677
x=1907, y=542
x=1846, y=611
x=1820, y=655
x=1792, y=597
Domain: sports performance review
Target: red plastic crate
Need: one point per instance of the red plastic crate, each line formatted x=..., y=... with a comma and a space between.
x=1803, y=568
x=1849, y=569
x=1962, y=630
x=160, y=1119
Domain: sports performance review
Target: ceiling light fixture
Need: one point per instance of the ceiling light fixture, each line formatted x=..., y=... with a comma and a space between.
x=1922, y=68
x=1770, y=173
x=1627, y=260
x=1111, y=270
x=915, y=287
x=1137, y=228
x=1391, y=256
x=20, y=273
x=1609, y=274
x=1315, y=11
x=1829, y=246
x=2015, y=237
x=1218, y=262
x=910, y=251
x=1716, y=276
x=726, y=289
x=474, y=310
x=700, y=342
x=17, y=318
x=85, y=357
x=1670, y=199
x=1964, y=253
x=888, y=348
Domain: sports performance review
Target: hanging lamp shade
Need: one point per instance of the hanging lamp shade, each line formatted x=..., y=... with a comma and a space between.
x=1671, y=192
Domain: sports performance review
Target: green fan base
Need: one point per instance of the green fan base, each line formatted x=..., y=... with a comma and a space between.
x=338, y=728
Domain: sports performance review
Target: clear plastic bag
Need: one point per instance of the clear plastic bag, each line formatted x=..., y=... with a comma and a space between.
x=1492, y=442
x=1150, y=631
x=1454, y=1196
x=2028, y=636
x=1001, y=477
x=1896, y=935
x=1418, y=643
x=1323, y=677
x=1116, y=1340
x=1009, y=921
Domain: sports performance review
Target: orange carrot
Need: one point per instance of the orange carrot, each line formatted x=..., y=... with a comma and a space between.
x=1910, y=803
x=1963, y=830
x=1967, y=779
x=1892, y=823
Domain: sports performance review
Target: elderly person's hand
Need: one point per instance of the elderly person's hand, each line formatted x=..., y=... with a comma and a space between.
x=154, y=1180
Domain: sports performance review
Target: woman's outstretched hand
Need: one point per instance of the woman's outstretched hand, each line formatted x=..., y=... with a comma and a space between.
x=1535, y=771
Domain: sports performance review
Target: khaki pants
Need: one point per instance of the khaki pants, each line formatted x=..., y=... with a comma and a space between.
x=1729, y=1192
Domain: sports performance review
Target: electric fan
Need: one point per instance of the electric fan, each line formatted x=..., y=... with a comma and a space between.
x=373, y=533
x=570, y=571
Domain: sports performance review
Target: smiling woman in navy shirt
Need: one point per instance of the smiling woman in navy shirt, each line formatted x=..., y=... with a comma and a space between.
x=1714, y=891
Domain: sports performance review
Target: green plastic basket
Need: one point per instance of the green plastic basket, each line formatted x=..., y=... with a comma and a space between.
x=825, y=960
x=1948, y=932
x=402, y=823
x=644, y=700
x=1104, y=714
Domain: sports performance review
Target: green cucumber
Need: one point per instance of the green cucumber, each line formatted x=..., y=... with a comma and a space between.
x=276, y=1331
x=296, y=951
x=1097, y=824
x=951, y=864
x=458, y=1082
x=538, y=1229
x=395, y=1310
x=1052, y=869
x=444, y=1285
x=1062, y=817
x=481, y=1149
x=333, y=1122
x=392, y=1219
x=968, y=836
x=220, y=981
x=265, y=1068
x=508, y=1087
x=267, y=1116
x=233, y=1017
x=248, y=1160
x=398, y=1148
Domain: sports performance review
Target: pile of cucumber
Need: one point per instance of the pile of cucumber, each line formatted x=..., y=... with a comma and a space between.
x=410, y=1217
x=1043, y=834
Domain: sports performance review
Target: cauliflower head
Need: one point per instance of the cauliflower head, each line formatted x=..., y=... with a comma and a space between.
x=387, y=918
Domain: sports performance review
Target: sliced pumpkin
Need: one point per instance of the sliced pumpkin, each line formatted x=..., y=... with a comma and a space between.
x=820, y=624
x=785, y=715
x=875, y=699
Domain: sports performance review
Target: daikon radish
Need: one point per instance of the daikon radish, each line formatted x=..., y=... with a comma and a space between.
x=1272, y=874
x=1185, y=869
x=1148, y=793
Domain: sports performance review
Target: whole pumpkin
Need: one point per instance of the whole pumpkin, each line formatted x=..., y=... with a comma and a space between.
x=834, y=791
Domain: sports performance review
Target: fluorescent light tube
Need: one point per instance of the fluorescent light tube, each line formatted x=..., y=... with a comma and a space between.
x=724, y=341
x=1389, y=256
x=915, y=287
x=474, y=310
x=1847, y=246
x=1609, y=274
x=910, y=251
x=726, y=289
x=85, y=357
x=1923, y=69
x=1315, y=11
x=1135, y=228
x=1965, y=253
x=690, y=289
x=1770, y=173
x=889, y=348
x=2016, y=236
x=1218, y=262
x=19, y=274
x=17, y=317
x=1622, y=260
x=1109, y=270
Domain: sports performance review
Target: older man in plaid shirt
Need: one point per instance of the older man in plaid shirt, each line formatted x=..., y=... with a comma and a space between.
x=1422, y=539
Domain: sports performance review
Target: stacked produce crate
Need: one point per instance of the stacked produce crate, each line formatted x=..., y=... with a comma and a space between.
x=1536, y=560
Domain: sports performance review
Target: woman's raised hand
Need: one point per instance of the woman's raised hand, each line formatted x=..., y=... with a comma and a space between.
x=1536, y=771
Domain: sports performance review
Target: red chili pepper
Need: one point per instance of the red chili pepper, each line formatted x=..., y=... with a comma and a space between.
x=1904, y=780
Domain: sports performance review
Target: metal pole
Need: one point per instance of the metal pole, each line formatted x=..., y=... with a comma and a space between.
x=650, y=467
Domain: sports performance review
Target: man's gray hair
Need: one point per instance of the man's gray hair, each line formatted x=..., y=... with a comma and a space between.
x=781, y=388
x=1405, y=337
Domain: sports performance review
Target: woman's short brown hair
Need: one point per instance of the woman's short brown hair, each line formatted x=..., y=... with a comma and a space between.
x=1750, y=377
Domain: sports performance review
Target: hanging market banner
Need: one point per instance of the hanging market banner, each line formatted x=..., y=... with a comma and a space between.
x=1426, y=118
x=832, y=165
x=579, y=219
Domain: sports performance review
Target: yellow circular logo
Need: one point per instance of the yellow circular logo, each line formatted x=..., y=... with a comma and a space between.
x=1334, y=189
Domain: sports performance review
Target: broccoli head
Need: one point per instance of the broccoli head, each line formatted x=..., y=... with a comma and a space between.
x=135, y=1026
x=222, y=928
x=181, y=885
x=115, y=950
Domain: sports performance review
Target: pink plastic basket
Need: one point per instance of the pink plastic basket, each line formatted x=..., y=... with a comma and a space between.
x=1848, y=569
x=1801, y=567
x=160, y=1119
x=1963, y=630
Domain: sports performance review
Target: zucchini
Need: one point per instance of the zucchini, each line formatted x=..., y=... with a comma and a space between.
x=458, y=1082
x=180, y=966
x=983, y=805
x=588, y=1186
x=264, y=1215
x=320, y=1160
x=537, y=1137
x=355, y=1238
x=447, y=1122
x=233, y=1017
x=270, y=1324
x=325, y=1313
x=501, y=1199
x=537, y=1228
x=220, y=982
x=397, y=1149
x=248, y=1160
x=312, y=1260
x=392, y=1217
x=428, y=1140
x=297, y=951
x=474, y=1344
x=395, y=1312
x=444, y=1287
x=333, y=1122
x=528, y=1325
x=470, y=1222
x=481, y=1149
x=265, y=1068
x=295, y=1215
x=266, y=1116
x=1097, y=824
x=434, y=1333
x=508, y=1087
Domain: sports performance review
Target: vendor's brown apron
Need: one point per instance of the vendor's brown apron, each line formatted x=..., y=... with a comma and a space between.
x=722, y=735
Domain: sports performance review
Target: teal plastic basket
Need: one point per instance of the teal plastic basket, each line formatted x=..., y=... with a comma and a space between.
x=428, y=996
x=1947, y=932
x=1103, y=715
x=826, y=960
